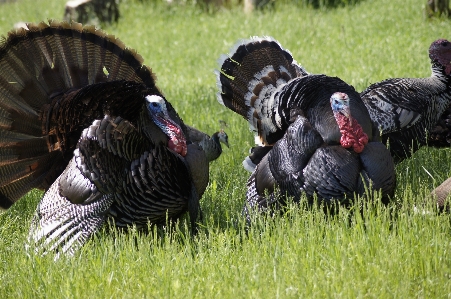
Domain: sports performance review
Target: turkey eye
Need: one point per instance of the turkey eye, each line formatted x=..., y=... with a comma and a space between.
x=154, y=104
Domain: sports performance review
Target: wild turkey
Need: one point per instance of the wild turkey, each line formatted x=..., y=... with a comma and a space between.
x=315, y=129
x=211, y=145
x=408, y=111
x=81, y=118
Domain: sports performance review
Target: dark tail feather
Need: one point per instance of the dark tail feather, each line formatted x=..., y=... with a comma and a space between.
x=19, y=177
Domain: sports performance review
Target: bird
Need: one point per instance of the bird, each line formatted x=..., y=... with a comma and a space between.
x=82, y=119
x=314, y=134
x=413, y=112
x=210, y=144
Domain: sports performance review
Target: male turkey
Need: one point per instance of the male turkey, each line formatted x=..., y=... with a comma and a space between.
x=81, y=117
x=316, y=133
x=411, y=112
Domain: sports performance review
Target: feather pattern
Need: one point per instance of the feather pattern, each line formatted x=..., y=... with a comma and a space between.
x=82, y=118
x=316, y=133
x=248, y=78
x=406, y=110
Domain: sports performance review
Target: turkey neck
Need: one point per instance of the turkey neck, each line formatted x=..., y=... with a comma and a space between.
x=439, y=72
x=216, y=144
x=442, y=82
x=352, y=135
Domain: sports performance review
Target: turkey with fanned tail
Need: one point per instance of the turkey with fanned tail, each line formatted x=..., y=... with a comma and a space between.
x=81, y=118
x=315, y=133
x=412, y=112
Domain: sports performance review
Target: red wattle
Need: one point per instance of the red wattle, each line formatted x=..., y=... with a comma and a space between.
x=177, y=146
x=177, y=140
x=352, y=134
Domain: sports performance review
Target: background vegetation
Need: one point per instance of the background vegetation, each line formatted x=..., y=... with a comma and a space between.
x=385, y=252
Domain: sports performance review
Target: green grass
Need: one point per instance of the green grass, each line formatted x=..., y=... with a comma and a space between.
x=382, y=253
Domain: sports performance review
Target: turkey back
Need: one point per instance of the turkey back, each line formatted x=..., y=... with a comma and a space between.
x=49, y=91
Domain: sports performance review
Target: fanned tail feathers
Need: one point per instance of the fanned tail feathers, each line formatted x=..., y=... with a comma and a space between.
x=40, y=67
x=249, y=76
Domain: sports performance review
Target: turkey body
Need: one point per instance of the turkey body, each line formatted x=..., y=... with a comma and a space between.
x=298, y=116
x=211, y=145
x=412, y=112
x=81, y=118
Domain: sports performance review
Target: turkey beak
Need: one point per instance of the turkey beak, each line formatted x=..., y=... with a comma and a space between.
x=169, y=123
x=161, y=117
x=173, y=128
x=346, y=112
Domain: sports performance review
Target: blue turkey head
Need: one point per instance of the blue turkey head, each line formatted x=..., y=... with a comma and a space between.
x=340, y=104
x=157, y=108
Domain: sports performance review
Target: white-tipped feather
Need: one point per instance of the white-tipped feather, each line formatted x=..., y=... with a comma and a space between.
x=222, y=58
x=258, y=141
x=283, y=70
x=247, y=98
x=281, y=81
x=252, y=120
x=218, y=85
x=62, y=224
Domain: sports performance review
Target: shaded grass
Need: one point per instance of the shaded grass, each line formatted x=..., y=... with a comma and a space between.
x=381, y=252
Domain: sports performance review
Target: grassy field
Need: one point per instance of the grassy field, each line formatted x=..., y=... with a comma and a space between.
x=385, y=252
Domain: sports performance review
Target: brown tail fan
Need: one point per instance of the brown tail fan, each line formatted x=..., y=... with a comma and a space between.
x=42, y=71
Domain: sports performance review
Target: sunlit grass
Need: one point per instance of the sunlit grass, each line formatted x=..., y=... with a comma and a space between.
x=382, y=252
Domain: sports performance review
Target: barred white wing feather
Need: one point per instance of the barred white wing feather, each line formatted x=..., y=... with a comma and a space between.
x=63, y=227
